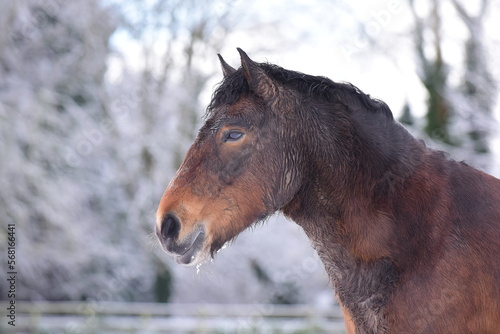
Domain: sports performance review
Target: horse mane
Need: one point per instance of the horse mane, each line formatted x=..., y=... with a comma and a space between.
x=317, y=87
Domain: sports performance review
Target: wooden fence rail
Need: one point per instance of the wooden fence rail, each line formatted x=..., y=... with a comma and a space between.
x=150, y=318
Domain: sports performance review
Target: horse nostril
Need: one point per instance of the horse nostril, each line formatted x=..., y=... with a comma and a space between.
x=170, y=226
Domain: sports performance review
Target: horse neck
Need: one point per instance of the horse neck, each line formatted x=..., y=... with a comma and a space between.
x=343, y=204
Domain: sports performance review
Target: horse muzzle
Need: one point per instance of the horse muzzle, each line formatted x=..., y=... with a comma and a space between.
x=189, y=249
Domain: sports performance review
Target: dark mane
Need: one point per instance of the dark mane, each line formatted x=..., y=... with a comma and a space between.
x=317, y=87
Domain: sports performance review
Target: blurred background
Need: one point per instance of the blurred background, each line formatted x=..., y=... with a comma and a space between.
x=100, y=100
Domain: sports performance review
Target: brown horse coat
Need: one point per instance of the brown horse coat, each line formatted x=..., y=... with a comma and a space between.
x=409, y=238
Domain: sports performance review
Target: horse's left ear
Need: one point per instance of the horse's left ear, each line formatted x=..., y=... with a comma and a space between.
x=226, y=68
x=258, y=80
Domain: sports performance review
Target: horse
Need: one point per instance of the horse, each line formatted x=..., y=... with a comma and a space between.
x=410, y=238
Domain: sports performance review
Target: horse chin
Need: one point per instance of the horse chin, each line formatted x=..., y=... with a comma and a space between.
x=192, y=257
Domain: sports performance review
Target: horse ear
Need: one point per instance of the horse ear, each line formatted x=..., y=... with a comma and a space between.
x=226, y=68
x=258, y=80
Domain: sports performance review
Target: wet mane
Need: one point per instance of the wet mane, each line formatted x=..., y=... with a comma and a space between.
x=319, y=88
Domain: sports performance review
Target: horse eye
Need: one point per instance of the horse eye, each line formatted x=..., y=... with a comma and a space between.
x=233, y=136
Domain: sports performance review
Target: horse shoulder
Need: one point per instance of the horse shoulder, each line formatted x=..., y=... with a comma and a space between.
x=456, y=287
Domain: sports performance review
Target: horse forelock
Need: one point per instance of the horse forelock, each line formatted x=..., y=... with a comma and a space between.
x=228, y=92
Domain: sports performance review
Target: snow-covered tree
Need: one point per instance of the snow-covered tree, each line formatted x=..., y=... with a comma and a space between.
x=452, y=109
x=60, y=179
x=478, y=88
